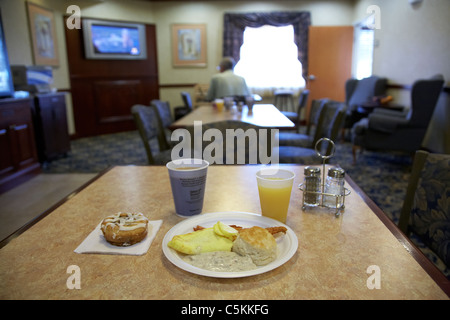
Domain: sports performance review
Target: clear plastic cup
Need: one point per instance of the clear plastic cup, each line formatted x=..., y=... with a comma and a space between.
x=275, y=187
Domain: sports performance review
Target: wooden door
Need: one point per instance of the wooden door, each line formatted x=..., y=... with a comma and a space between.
x=329, y=62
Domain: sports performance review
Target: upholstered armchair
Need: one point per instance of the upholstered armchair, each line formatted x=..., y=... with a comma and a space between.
x=426, y=209
x=358, y=92
x=399, y=131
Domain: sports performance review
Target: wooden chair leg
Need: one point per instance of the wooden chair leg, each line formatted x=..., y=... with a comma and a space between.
x=354, y=149
x=343, y=131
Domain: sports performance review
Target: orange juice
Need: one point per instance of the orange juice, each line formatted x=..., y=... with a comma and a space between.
x=219, y=106
x=275, y=186
x=219, y=103
x=275, y=201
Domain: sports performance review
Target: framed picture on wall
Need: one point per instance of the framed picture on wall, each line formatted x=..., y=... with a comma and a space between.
x=43, y=36
x=189, y=45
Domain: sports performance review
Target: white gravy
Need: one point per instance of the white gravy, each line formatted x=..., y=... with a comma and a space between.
x=220, y=261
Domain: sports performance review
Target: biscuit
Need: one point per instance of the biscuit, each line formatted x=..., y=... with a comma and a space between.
x=257, y=243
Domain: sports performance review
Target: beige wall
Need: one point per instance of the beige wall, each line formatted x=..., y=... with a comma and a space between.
x=163, y=14
x=413, y=41
x=211, y=14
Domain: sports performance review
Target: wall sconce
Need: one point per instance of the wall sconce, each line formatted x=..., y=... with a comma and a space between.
x=415, y=2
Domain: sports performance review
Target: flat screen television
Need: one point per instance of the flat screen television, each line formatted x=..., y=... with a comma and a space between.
x=114, y=40
x=6, y=83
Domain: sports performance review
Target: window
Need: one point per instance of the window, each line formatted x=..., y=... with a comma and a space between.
x=269, y=59
x=364, y=42
x=363, y=47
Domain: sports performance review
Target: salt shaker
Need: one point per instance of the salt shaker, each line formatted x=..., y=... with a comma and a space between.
x=312, y=185
x=334, y=185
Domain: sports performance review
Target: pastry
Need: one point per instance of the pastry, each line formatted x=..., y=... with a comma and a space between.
x=125, y=229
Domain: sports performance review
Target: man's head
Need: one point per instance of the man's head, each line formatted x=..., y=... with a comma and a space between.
x=227, y=63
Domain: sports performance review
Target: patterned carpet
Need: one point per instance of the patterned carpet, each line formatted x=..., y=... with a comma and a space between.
x=382, y=176
x=92, y=155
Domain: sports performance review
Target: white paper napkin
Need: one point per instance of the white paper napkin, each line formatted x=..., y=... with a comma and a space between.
x=95, y=242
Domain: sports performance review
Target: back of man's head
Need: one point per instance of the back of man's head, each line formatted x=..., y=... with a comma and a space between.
x=227, y=63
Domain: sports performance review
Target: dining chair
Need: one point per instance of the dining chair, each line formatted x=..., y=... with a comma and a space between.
x=283, y=100
x=426, y=208
x=309, y=138
x=165, y=120
x=232, y=142
x=330, y=123
x=151, y=133
x=186, y=108
x=295, y=117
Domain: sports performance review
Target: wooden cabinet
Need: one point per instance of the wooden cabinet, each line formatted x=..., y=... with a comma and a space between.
x=18, y=156
x=104, y=90
x=50, y=121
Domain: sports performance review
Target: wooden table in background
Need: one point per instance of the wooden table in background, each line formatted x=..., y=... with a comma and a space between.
x=331, y=262
x=262, y=115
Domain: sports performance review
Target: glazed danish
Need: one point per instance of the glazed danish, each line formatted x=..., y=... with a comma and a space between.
x=125, y=229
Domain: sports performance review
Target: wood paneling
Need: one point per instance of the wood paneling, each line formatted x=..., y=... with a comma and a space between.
x=18, y=156
x=103, y=91
x=50, y=123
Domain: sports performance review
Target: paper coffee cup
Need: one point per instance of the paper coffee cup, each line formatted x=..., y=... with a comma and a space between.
x=188, y=181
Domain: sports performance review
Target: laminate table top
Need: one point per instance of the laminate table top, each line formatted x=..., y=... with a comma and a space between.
x=334, y=260
x=262, y=115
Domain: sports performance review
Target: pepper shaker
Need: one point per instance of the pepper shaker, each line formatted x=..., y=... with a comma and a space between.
x=312, y=185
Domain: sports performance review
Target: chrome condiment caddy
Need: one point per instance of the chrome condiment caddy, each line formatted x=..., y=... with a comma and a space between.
x=322, y=197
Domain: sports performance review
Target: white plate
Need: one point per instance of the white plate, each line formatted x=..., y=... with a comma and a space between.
x=287, y=244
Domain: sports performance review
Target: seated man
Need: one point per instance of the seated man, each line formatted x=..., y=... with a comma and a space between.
x=226, y=83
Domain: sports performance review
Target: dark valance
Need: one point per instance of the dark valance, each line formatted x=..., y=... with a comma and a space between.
x=235, y=23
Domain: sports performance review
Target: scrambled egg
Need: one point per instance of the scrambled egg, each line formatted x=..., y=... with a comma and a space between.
x=197, y=242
